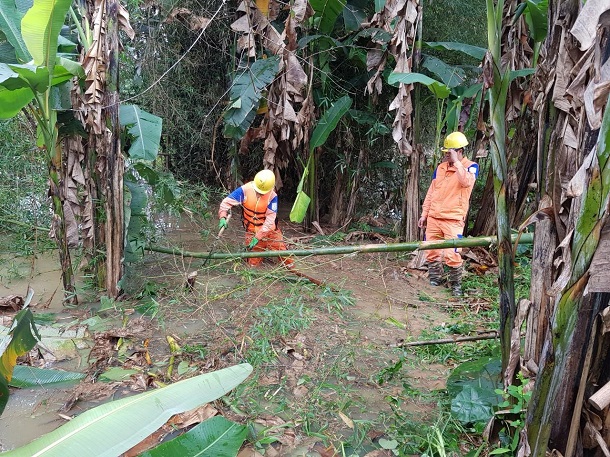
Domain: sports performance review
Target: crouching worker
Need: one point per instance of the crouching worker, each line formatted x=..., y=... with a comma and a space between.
x=445, y=208
x=259, y=216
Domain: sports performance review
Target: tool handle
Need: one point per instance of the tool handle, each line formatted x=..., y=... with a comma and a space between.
x=223, y=229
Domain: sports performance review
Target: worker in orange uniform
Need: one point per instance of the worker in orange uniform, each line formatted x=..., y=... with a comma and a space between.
x=445, y=207
x=259, y=216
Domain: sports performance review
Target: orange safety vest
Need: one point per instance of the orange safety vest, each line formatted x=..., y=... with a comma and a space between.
x=254, y=208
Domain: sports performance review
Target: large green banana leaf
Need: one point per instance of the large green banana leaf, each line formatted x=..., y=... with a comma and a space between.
x=10, y=25
x=439, y=89
x=40, y=29
x=113, y=428
x=21, y=338
x=451, y=75
x=468, y=49
x=145, y=129
x=215, y=437
x=329, y=121
x=246, y=93
x=328, y=11
x=26, y=376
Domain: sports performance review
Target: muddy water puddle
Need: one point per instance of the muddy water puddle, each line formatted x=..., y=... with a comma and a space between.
x=40, y=271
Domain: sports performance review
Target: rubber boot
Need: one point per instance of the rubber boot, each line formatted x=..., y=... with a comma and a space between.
x=435, y=273
x=455, y=281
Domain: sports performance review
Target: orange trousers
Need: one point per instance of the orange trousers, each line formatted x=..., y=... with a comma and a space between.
x=444, y=229
x=273, y=242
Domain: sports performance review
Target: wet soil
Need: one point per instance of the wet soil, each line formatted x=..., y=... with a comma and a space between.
x=320, y=365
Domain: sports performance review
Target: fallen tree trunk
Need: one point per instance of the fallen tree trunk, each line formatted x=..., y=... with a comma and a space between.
x=526, y=238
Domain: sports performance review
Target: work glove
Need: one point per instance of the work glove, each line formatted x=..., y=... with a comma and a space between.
x=253, y=243
x=222, y=223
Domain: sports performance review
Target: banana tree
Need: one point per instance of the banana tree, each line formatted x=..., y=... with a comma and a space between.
x=496, y=77
x=36, y=88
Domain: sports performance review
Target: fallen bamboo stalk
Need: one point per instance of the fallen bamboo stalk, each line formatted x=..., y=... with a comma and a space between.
x=456, y=339
x=601, y=398
x=526, y=238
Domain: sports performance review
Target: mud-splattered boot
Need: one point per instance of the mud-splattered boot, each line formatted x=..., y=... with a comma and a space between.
x=435, y=273
x=455, y=281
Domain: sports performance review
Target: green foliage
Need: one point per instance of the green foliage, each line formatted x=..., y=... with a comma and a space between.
x=329, y=120
x=512, y=414
x=216, y=437
x=144, y=129
x=23, y=189
x=10, y=25
x=475, y=52
x=485, y=373
x=26, y=376
x=21, y=338
x=437, y=88
x=326, y=13
x=246, y=93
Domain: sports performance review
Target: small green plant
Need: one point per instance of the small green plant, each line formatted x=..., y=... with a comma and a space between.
x=336, y=300
x=195, y=350
x=512, y=413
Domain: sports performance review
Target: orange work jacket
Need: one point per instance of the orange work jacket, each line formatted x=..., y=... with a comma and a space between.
x=449, y=193
x=259, y=214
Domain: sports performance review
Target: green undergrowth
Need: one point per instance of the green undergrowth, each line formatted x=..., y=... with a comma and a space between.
x=24, y=209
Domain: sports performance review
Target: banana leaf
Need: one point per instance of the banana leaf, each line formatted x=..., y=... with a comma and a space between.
x=145, y=130
x=328, y=11
x=246, y=92
x=301, y=203
x=329, y=121
x=113, y=428
x=536, y=17
x=468, y=49
x=21, y=338
x=215, y=437
x=353, y=15
x=10, y=25
x=439, y=89
x=25, y=376
x=451, y=75
x=40, y=29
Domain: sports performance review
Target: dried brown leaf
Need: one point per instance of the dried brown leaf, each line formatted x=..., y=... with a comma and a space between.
x=124, y=24
x=586, y=24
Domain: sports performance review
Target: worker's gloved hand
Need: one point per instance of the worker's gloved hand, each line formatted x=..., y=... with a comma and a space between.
x=222, y=224
x=253, y=243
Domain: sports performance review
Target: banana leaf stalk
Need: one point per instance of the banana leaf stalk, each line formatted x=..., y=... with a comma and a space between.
x=498, y=80
x=526, y=238
x=572, y=308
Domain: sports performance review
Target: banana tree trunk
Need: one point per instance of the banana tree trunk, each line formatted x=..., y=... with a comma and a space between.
x=497, y=78
x=59, y=221
x=114, y=166
x=574, y=314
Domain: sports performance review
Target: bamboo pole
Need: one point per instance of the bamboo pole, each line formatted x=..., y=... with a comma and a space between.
x=526, y=238
x=456, y=339
x=601, y=398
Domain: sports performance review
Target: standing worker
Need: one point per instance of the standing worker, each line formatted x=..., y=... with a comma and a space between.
x=259, y=216
x=445, y=208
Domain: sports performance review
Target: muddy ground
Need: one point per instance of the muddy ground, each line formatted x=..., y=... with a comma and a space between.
x=322, y=354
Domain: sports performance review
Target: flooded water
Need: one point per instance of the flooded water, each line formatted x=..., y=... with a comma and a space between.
x=33, y=412
x=41, y=272
x=29, y=414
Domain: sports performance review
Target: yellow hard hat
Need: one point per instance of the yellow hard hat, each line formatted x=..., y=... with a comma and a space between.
x=264, y=181
x=455, y=140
